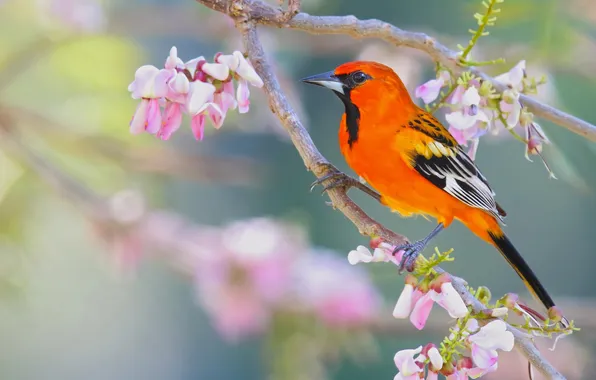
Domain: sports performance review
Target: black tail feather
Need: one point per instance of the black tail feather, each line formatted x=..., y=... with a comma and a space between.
x=522, y=268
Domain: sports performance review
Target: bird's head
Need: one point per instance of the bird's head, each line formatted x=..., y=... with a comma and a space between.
x=363, y=83
x=368, y=90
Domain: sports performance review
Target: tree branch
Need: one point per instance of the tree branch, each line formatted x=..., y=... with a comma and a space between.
x=246, y=15
x=265, y=14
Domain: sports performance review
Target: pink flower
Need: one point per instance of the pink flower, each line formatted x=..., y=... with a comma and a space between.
x=429, y=91
x=382, y=253
x=197, y=125
x=178, y=88
x=514, y=77
x=449, y=299
x=244, y=271
x=407, y=299
x=421, y=310
x=237, y=63
x=147, y=117
x=246, y=73
x=242, y=95
x=338, y=293
x=484, y=343
x=78, y=15
x=150, y=82
x=172, y=120
x=470, y=113
x=436, y=360
x=224, y=99
x=216, y=70
x=409, y=368
x=418, y=305
x=535, y=137
x=200, y=95
x=173, y=62
x=196, y=87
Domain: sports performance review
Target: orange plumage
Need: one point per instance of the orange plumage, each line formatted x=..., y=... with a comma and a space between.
x=386, y=143
x=415, y=164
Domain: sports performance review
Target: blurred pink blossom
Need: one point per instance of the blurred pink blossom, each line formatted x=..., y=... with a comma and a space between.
x=243, y=271
x=337, y=292
x=78, y=15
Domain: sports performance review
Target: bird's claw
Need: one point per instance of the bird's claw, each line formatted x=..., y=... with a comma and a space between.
x=338, y=179
x=411, y=253
x=335, y=179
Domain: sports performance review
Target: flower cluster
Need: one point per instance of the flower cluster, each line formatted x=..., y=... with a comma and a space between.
x=470, y=351
x=197, y=88
x=475, y=108
x=417, y=297
x=471, y=348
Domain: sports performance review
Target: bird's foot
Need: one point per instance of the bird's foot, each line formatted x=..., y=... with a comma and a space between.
x=411, y=253
x=338, y=179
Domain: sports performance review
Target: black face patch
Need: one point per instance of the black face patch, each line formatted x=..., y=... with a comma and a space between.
x=351, y=81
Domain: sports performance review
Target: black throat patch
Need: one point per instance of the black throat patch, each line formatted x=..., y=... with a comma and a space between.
x=352, y=116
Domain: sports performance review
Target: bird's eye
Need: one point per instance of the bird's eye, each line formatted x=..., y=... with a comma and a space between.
x=359, y=77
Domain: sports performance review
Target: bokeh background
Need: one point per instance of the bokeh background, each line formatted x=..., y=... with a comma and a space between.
x=97, y=226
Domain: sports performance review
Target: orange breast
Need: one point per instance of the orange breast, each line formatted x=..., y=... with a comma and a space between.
x=378, y=158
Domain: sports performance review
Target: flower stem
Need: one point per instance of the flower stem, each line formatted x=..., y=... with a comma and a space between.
x=483, y=21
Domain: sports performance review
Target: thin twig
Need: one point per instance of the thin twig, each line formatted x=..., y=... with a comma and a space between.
x=311, y=156
x=265, y=14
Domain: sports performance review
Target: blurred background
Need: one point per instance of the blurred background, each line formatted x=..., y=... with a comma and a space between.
x=128, y=257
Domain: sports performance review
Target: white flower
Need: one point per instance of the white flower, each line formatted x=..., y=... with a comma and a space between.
x=487, y=341
x=429, y=91
x=199, y=97
x=450, y=300
x=435, y=358
x=407, y=366
x=514, y=77
x=405, y=302
x=216, y=70
x=363, y=255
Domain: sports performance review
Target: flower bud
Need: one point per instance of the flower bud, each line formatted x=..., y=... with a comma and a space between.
x=411, y=280
x=433, y=354
x=375, y=242
x=465, y=363
x=510, y=300
x=448, y=369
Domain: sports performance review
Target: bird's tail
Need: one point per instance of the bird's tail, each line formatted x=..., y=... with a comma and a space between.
x=514, y=258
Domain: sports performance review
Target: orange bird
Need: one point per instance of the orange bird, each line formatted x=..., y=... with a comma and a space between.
x=413, y=162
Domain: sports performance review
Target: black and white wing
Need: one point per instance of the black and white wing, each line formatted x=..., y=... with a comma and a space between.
x=450, y=169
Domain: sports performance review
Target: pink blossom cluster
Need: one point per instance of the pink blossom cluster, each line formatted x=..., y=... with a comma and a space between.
x=475, y=108
x=247, y=272
x=197, y=88
x=340, y=294
x=416, y=300
x=472, y=353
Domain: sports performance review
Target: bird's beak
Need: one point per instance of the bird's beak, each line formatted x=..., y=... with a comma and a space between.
x=327, y=79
